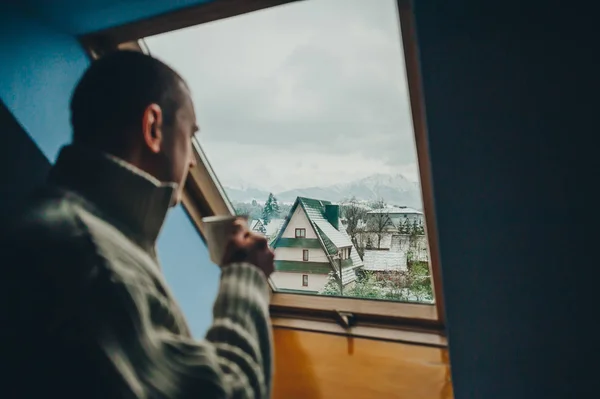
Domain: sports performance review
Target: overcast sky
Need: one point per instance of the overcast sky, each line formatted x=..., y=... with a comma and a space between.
x=305, y=94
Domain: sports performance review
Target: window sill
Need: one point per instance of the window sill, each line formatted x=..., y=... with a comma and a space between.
x=393, y=334
x=363, y=311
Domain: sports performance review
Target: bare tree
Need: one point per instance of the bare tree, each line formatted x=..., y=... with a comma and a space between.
x=417, y=244
x=378, y=204
x=379, y=220
x=354, y=214
x=361, y=241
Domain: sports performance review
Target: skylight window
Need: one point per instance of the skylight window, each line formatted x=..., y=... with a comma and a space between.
x=306, y=121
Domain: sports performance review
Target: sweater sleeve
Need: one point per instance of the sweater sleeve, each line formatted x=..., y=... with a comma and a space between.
x=233, y=361
x=241, y=328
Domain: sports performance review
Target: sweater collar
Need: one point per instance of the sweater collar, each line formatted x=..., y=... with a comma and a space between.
x=133, y=198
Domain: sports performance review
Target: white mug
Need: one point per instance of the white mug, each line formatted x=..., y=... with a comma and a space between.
x=217, y=232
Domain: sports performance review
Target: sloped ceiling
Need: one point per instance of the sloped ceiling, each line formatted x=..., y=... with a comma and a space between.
x=78, y=17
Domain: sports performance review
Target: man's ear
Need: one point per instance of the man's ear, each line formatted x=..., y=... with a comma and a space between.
x=152, y=124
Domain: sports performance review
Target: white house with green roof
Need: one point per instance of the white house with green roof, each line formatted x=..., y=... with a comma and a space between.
x=312, y=243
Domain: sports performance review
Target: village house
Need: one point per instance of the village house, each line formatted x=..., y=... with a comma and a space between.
x=397, y=215
x=257, y=226
x=392, y=259
x=273, y=227
x=312, y=243
x=269, y=230
x=402, y=250
x=376, y=231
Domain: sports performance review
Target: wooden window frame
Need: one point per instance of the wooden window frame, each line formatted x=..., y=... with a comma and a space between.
x=204, y=196
x=305, y=256
x=301, y=230
x=305, y=280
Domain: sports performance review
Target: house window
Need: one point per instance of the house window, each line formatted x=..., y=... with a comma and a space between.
x=345, y=254
x=305, y=280
x=300, y=233
x=305, y=255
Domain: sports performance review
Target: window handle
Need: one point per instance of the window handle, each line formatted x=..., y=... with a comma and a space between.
x=345, y=319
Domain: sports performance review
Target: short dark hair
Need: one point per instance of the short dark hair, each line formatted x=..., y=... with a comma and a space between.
x=113, y=93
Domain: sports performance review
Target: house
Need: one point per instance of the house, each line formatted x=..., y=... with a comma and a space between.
x=397, y=215
x=269, y=230
x=257, y=225
x=403, y=249
x=311, y=244
x=391, y=259
x=272, y=228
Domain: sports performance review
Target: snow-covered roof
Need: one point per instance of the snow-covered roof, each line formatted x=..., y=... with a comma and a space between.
x=382, y=260
x=273, y=227
x=396, y=211
x=356, y=204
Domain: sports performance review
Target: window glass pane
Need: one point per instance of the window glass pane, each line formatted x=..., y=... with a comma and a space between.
x=305, y=117
x=190, y=274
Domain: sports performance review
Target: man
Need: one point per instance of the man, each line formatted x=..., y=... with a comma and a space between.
x=86, y=311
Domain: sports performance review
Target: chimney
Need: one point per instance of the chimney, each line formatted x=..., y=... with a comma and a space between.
x=332, y=214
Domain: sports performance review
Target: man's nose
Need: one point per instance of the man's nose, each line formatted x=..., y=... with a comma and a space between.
x=193, y=161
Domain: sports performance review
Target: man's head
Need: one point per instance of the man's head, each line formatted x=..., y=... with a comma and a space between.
x=135, y=107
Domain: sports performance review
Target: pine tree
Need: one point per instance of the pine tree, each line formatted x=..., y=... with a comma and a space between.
x=266, y=214
x=270, y=210
x=405, y=227
x=421, y=228
x=414, y=228
x=275, y=206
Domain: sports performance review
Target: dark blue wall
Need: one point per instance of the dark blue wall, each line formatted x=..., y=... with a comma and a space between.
x=38, y=69
x=508, y=92
x=85, y=16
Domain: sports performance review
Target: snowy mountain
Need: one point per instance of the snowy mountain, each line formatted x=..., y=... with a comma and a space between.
x=394, y=189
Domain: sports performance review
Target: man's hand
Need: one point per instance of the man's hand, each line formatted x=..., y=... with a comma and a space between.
x=247, y=246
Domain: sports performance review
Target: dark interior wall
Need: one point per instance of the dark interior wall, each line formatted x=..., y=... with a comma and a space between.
x=24, y=167
x=508, y=94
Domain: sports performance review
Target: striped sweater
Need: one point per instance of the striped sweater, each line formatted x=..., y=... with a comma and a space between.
x=87, y=313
